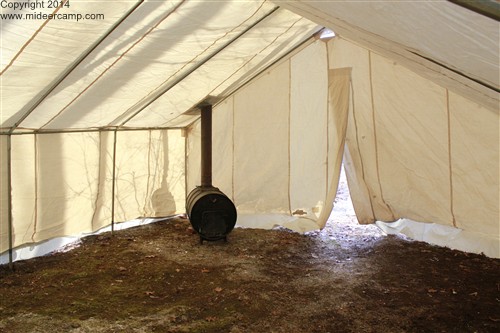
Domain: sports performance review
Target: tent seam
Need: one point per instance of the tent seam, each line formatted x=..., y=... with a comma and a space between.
x=186, y=142
x=185, y=65
x=93, y=130
x=98, y=191
x=28, y=42
x=52, y=86
x=115, y=62
x=289, y=135
x=327, y=123
x=358, y=150
x=144, y=207
x=450, y=164
x=10, y=220
x=281, y=60
x=255, y=55
x=375, y=136
x=36, y=187
x=113, y=184
x=232, y=158
x=35, y=209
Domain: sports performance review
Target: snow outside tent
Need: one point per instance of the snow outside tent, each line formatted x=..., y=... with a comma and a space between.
x=98, y=123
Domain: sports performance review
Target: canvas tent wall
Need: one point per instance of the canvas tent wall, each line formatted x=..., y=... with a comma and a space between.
x=409, y=144
x=103, y=134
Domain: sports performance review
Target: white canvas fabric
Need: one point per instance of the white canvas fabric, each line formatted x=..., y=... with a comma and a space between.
x=98, y=120
x=443, y=42
x=63, y=183
x=412, y=144
x=151, y=56
x=272, y=154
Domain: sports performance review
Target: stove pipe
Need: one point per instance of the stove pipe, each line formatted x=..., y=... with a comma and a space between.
x=211, y=213
x=206, y=145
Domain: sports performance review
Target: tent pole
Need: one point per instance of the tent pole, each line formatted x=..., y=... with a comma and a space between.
x=9, y=199
x=113, y=186
x=91, y=130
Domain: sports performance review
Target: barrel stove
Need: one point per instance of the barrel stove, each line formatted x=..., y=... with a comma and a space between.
x=211, y=213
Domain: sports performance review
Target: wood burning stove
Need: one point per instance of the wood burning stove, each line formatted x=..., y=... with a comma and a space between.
x=211, y=213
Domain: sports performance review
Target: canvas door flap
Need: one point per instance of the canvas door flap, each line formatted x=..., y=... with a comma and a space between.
x=338, y=109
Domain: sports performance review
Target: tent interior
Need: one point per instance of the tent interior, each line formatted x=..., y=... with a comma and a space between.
x=99, y=122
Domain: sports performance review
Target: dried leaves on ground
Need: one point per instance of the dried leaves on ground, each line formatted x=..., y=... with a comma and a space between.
x=159, y=278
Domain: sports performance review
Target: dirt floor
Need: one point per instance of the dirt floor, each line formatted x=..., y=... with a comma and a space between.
x=346, y=278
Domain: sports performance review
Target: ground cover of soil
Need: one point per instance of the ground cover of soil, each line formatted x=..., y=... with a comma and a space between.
x=159, y=278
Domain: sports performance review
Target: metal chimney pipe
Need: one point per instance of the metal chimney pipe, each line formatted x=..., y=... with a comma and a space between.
x=211, y=213
x=206, y=145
